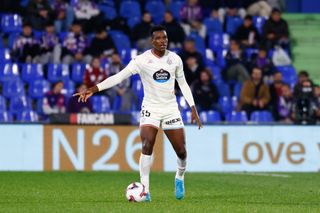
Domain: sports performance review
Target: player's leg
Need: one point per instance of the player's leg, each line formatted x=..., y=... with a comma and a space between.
x=177, y=139
x=148, y=136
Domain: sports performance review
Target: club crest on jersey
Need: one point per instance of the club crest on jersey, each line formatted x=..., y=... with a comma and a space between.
x=161, y=76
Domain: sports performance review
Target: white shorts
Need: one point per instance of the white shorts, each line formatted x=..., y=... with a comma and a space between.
x=165, y=118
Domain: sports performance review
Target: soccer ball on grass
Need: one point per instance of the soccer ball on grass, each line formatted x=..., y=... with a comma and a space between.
x=136, y=192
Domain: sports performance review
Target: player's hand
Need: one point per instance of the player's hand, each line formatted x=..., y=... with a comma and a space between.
x=195, y=117
x=83, y=96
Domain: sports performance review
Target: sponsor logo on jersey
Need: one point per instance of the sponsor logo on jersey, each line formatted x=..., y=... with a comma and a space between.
x=173, y=121
x=161, y=76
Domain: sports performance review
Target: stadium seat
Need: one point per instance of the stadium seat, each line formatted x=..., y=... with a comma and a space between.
x=182, y=103
x=39, y=106
x=12, y=88
x=156, y=9
x=258, y=22
x=237, y=89
x=133, y=21
x=232, y=24
x=38, y=88
x=224, y=89
x=137, y=89
x=77, y=72
x=101, y=104
x=58, y=72
x=225, y=104
x=3, y=104
x=135, y=117
x=213, y=25
x=235, y=116
x=121, y=40
x=5, y=117
x=129, y=9
x=216, y=73
x=210, y=116
x=8, y=71
x=199, y=42
x=116, y=103
x=19, y=104
x=109, y=12
x=125, y=55
x=27, y=116
x=11, y=23
x=11, y=39
x=175, y=7
x=261, y=116
x=289, y=74
x=186, y=117
x=4, y=55
x=68, y=88
x=31, y=72
x=215, y=41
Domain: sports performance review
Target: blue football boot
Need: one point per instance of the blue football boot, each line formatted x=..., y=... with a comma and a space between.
x=179, y=188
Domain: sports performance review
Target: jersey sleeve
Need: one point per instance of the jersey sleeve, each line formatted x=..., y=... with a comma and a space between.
x=131, y=69
x=184, y=87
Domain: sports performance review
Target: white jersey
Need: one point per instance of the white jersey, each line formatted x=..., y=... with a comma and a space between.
x=158, y=75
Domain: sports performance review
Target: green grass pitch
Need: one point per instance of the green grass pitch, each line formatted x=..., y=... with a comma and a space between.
x=205, y=192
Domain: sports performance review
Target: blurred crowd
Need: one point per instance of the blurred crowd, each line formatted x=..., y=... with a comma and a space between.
x=254, y=43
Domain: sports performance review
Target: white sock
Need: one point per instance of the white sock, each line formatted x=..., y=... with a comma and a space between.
x=181, y=168
x=145, y=163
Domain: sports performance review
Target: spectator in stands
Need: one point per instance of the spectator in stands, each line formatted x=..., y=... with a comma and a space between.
x=205, y=92
x=236, y=63
x=257, y=7
x=302, y=76
x=94, y=73
x=120, y=24
x=230, y=8
x=279, y=4
x=264, y=63
x=74, y=106
x=285, y=104
x=54, y=100
x=50, y=46
x=102, y=44
x=39, y=13
x=191, y=17
x=174, y=31
x=141, y=32
x=74, y=46
x=305, y=106
x=247, y=33
x=123, y=90
x=189, y=50
x=63, y=14
x=254, y=93
x=26, y=47
x=276, y=31
x=88, y=15
x=192, y=70
x=275, y=92
x=316, y=90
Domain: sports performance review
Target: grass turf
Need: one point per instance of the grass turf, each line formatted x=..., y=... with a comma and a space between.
x=206, y=192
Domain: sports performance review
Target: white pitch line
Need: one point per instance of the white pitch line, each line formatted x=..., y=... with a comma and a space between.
x=263, y=174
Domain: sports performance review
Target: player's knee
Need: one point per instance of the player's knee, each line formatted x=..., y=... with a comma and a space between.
x=147, y=147
x=182, y=154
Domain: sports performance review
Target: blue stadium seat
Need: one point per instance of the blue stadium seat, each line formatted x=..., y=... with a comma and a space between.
x=58, y=72
x=5, y=117
x=210, y=116
x=225, y=104
x=129, y=9
x=8, y=71
x=125, y=55
x=11, y=23
x=156, y=9
x=13, y=88
x=62, y=36
x=289, y=74
x=237, y=116
x=31, y=72
x=27, y=116
x=182, y=103
x=108, y=11
x=121, y=40
x=38, y=88
x=101, y=104
x=224, y=89
x=215, y=41
x=4, y=55
x=39, y=106
x=3, y=104
x=216, y=73
x=232, y=24
x=137, y=89
x=133, y=21
x=68, y=88
x=135, y=117
x=199, y=43
x=19, y=104
x=116, y=104
x=213, y=25
x=258, y=22
x=261, y=116
x=77, y=72
x=12, y=37
x=234, y=102
x=186, y=117
x=175, y=7
x=237, y=89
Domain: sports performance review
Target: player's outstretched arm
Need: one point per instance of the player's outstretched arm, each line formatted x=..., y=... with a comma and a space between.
x=84, y=95
x=195, y=117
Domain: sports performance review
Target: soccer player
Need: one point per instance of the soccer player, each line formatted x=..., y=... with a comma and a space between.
x=158, y=69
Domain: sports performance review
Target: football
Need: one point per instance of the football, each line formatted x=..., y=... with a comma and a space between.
x=136, y=192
